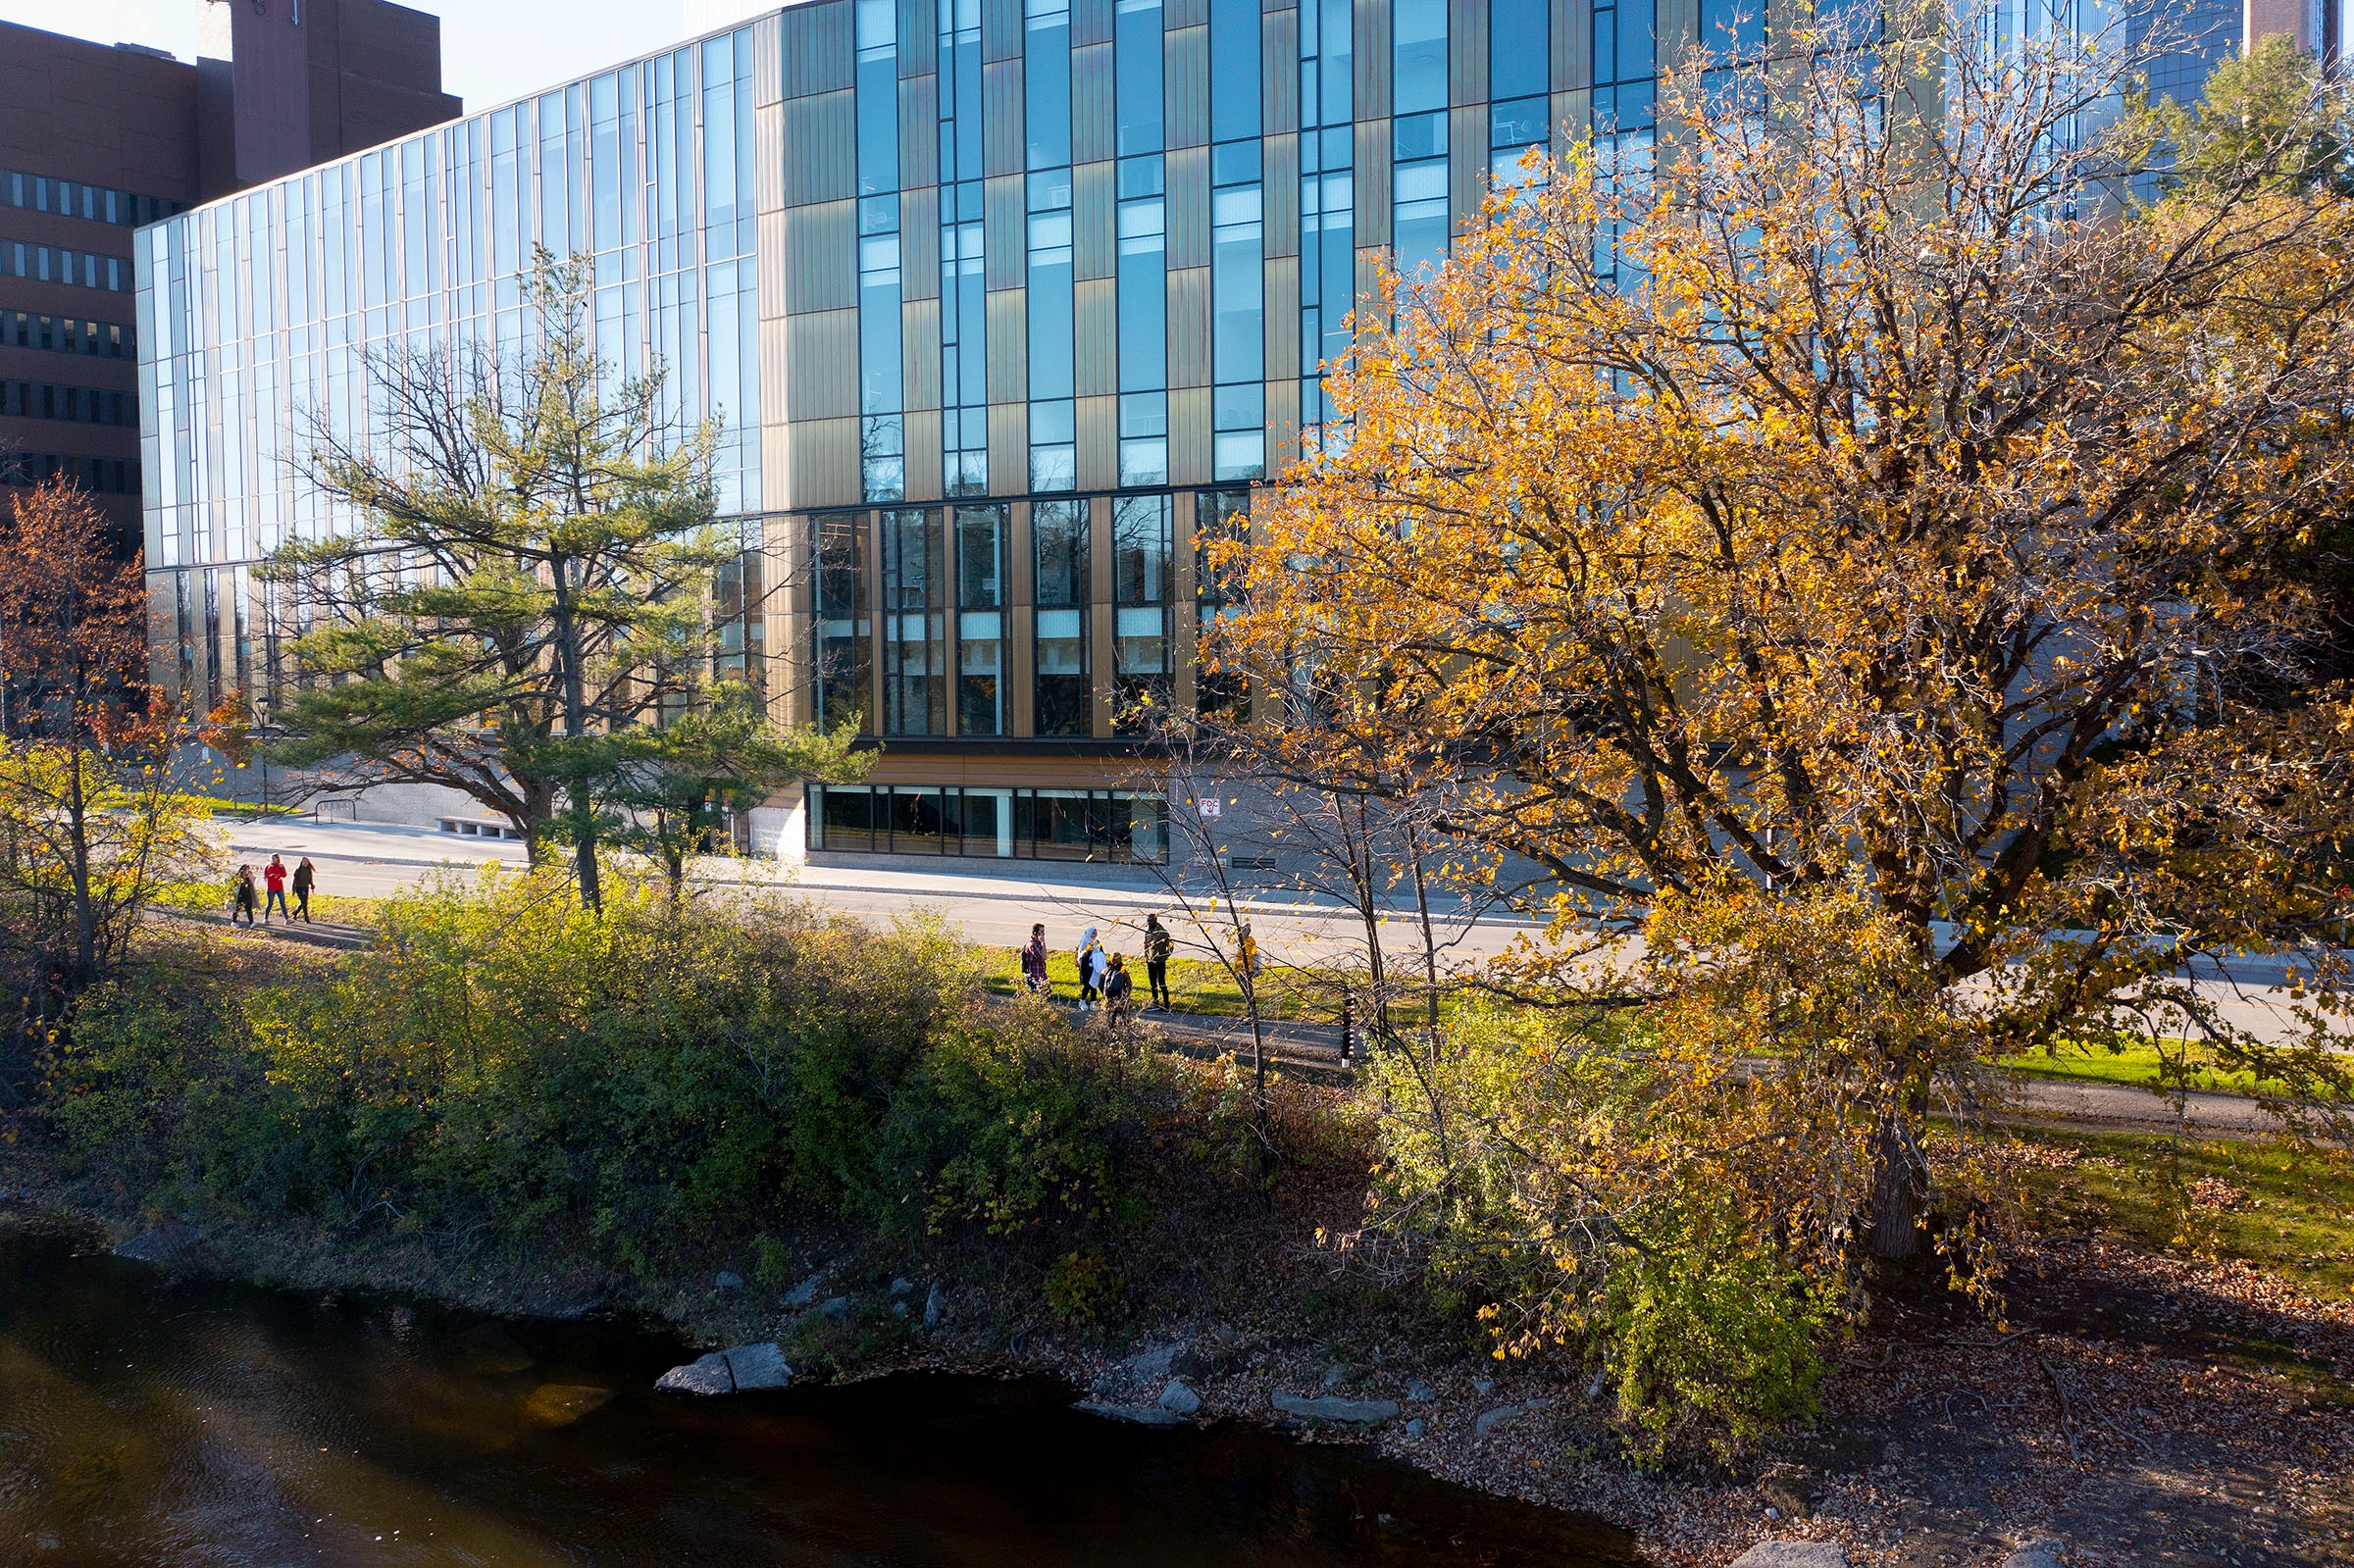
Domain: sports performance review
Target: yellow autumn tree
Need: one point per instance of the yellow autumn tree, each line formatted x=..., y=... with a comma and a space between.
x=1846, y=546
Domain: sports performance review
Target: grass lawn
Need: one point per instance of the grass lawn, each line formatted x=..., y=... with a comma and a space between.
x=2292, y=1217
x=2137, y=1066
x=1202, y=986
x=1196, y=986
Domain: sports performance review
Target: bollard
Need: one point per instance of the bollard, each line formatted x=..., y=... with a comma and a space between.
x=1348, y=1028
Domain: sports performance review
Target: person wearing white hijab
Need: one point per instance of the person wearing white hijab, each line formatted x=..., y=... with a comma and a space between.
x=1091, y=969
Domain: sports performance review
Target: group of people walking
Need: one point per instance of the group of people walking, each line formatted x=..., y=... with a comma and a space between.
x=275, y=877
x=1104, y=978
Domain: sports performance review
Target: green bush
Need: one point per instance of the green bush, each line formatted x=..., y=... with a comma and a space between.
x=1577, y=1197
x=657, y=1079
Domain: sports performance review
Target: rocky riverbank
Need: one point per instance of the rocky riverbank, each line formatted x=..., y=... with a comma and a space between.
x=2138, y=1409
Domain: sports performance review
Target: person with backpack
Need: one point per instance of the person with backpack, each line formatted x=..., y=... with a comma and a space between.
x=1159, y=945
x=306, y=877
x=1090, y=960
x=1119, y=990
x=1033, y=964
x=243, y=898
x=275, y=874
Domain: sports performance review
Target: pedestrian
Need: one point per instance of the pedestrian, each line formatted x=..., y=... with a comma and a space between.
x=275, y=874
x=1159, y=945
x=1091, y=956
x=1033, y=964
x=1119, y=989
x=306, y=877
x=243, y=899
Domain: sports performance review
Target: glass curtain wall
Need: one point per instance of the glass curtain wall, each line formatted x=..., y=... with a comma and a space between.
x=1327, y=198
x=1046, y=83
x=1142, y=544
x=915, y=627
x=1064, y=696
x=981, y=585
x=882, y=428
x=257, y=313
x=963, y=333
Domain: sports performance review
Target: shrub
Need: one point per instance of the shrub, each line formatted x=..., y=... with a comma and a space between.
x=658, y=1078
x=1582, y=1202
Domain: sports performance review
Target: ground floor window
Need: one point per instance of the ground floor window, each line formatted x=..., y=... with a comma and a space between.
x=1104, y=826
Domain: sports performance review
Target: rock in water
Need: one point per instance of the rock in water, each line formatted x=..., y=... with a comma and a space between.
x=707, y=1374
x=1364, y=1412
x=1793, y=1554
x=173, y=1244
x=759, y=1366
x=560, y=1405
x=744, y=1368
x=1178, y=1399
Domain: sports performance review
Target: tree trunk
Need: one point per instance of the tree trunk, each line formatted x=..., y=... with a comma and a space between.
x=575, y=726
x=1899, y=1190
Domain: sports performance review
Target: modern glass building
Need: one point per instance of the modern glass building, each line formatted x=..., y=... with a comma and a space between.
x=1005, y=304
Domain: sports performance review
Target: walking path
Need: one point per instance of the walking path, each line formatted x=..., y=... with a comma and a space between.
x=995, y=908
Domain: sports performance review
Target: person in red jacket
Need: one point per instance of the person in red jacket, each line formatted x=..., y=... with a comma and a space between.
x=275, y=874
x=1034, y=963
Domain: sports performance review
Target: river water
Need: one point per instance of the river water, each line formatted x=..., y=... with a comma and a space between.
x=147, y=1421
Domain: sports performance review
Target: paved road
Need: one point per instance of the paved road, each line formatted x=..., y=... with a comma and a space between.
x=372, y=860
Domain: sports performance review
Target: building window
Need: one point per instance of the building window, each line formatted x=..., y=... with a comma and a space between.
x=1238, y=315
x=882, y=433
x=1327, y=197
x=1419, y=127
x=845, y=639
x=963, y=333
x=1063, y=695
x=1054, y=452
x=914, y=611
x=1104, y=826
x=1234, y=69
x=1221, y=518
x=1520, y=115
x=980, y=543
x=1142, y=544
x=1622, y=66
x=1137, y=75
x=1144, y=438
x=1047, y=81
x=1144, y=281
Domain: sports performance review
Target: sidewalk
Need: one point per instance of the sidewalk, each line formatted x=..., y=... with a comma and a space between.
x=1076, y=883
